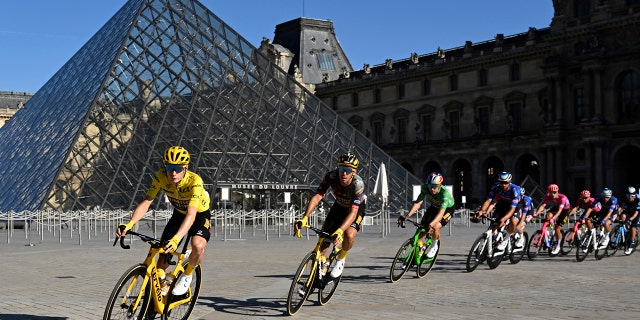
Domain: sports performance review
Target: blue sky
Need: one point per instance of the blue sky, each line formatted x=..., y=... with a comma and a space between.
x=38, y=36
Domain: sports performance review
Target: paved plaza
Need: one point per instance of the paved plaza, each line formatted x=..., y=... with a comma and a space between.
x=249, y=278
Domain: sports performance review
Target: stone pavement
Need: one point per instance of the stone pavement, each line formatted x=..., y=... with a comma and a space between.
x=250, y=278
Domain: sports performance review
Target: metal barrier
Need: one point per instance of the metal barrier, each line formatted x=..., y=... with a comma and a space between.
x=100, y=224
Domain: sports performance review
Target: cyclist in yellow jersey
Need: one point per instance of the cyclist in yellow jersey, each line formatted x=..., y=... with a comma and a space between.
x=190, y=215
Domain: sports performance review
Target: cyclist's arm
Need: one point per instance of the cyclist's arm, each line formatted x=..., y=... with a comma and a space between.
x=138, y=213
x=416, y=205
x=485, y=205
x=313, y=203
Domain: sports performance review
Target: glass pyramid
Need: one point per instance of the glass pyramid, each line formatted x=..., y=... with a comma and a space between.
x=169, y=72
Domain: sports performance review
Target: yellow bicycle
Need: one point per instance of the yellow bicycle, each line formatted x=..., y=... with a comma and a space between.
x=312, y=275
x=142, y=294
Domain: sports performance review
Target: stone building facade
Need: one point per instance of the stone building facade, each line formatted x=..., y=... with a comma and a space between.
x=554, y=105
x=10, y=103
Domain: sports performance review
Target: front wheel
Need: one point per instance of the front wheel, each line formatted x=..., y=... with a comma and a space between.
x=536, y=243
x=402, y=261
x=427, y=263
x=187, y=301
x=477, y=252
x=130, y=297
x=302, y=284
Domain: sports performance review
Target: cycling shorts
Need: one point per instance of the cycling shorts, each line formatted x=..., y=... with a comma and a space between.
x=431, y=214
x=563, y=218
x=338, y=213
x=201, y=225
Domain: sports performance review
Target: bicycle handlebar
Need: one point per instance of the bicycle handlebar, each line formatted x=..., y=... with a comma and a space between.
x=145, y=238
x=414, y=223
x=320, y=233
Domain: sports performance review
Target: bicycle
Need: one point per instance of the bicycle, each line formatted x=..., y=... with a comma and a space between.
x=485, y=247
x=542, y=240
x=409, y=255
x=570, y=236
x=619, y=239
x=311, y=275
x=139, y=293
x=591, y=243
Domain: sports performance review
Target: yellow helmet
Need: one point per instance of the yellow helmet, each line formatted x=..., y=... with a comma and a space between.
x=177, y=155
x=349, y=160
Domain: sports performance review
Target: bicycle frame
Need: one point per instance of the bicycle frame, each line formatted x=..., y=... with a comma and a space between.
x=591, y=243
x=314, y=277
x=486, y=248
x=161, y=303
x=408, y=255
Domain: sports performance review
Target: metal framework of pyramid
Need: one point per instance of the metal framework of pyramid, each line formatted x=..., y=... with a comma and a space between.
x=162, y=73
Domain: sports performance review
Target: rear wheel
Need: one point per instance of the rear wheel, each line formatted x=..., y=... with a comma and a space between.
x=599, y=252
x=614, y=243
x=567, y=242
x=496, y=255
x=582, y=247
x=517, y=253
x=183, y=310
x=402, y=261
x=536, y=243
x=328, y=283
x=302, y=284
x=427, y=263
x=477, y=252
x=130, y=297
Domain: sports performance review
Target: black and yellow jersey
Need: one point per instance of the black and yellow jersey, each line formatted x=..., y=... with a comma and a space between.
x=189, y=192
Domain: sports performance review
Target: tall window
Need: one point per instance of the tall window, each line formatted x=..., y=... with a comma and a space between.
x=401, y=123
x=482, y=120
x=427, y=121
x=355, y=100
x=377, y=98
x=377, y=132
x=426, y=87
x=454, y=123
x=578, y=104
x=514, y=118
x=483, y=78
x=453, y=82
x=401, y=91
x=629, y=97
x=334, y=103
x=514, y=72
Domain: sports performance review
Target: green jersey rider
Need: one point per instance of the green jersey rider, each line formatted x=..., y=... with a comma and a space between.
x=438, y=213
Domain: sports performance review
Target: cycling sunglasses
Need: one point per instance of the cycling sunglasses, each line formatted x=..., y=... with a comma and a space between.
x=342, y=169
x=174, y=167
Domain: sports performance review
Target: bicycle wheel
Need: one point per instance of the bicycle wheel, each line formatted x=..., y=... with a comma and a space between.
x=517, y=253
x=427, y=263
x=536, y=243
x=599, y=252
x=566, y=244
x=328, y=284
x=496, y=256
x=402, y=261
x=582, y=247
x=183, y=310
x=130, y=297
x=477, y=252
x=302, y=284
x=614, y=243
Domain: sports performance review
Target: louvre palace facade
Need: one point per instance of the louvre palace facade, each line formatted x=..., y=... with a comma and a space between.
x=553, y=105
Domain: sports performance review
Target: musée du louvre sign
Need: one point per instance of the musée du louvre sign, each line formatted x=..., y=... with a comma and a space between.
x=267, y=186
